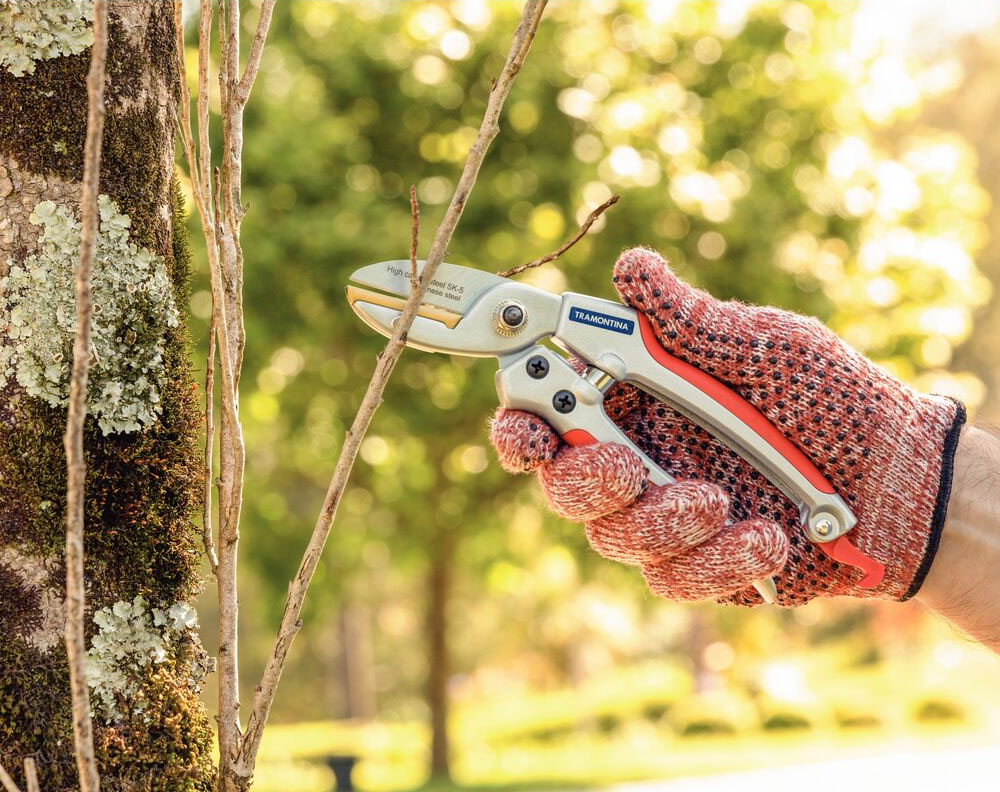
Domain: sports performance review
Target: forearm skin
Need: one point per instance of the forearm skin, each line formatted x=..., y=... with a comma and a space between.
x=963, y=584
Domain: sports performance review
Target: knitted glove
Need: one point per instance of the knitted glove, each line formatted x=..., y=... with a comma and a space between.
x=886, y=449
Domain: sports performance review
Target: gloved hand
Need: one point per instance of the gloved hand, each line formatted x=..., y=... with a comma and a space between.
x=886, y=449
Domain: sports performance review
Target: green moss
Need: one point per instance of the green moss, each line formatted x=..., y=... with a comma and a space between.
x=179, y=261
x=165, y=748
x=35, y=714
x=142, y=491
x=131, y=173
x=43, y=118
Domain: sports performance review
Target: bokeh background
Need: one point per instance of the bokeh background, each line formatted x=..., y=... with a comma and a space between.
x=833, y=158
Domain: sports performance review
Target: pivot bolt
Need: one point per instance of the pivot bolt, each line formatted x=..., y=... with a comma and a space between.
x=512, y=315
x=564, y=401
x=537, y=367
x=510, y=318
x=823, y=527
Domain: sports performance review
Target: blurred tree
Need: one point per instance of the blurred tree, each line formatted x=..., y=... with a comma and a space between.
x=755, y=147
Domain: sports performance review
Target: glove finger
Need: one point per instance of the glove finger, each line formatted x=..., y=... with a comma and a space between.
x=735, y=342
x=665, y=522
x=681, y=315
x=586, y=482
x=730, y=561
x=522, y=441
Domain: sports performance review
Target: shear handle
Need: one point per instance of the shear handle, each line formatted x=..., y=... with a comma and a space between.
x=543, y=382
x=621, y=341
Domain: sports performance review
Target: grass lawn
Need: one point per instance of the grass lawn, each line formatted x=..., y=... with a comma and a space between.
x=645, y=722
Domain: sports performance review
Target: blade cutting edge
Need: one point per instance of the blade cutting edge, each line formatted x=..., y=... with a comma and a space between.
x=355, y=295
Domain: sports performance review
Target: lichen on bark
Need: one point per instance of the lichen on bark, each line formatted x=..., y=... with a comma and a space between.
x=143, y=487
x=32, y=30
x=133, y=307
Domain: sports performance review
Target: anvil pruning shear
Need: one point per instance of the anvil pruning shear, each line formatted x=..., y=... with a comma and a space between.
x=467, y=311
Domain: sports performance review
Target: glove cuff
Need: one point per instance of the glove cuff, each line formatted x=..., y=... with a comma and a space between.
x=940, y=511
x=902, y=506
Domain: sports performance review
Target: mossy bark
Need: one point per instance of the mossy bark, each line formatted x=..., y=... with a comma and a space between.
x=142, y=487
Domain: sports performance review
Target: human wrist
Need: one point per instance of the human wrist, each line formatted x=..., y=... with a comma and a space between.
x=962, y=584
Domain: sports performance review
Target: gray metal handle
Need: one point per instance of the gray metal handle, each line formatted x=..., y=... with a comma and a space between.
x=543, y=382
x=608, y=335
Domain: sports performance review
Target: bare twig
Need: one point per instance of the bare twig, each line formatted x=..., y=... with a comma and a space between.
x=7, y=782
x=256, y=50
x=184, y=110
x=414, y=235
x=220, y=212
x=31, y=775
x=226, y=337
x=290, y=623
x=76, y=464
x=591, y=218
x=199, y=187
x=204, y=67
x=207, y=538
x=227, y=281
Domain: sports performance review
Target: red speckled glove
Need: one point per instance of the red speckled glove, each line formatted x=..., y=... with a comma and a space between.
x=886, y=449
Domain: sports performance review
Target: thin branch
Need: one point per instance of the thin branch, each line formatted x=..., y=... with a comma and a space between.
x=290, y=622
x=76, y=465
x=184, y=111
x=200, y=183
x=7, y=782
x=591, y=218
x=414, y=235
x=204, y=67
x=206, y=527
x=256, y=51
x=227, y=278
x=217, y=200
x=31, y=775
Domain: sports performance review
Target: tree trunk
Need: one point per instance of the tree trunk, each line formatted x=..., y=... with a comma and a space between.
x=141, y=437
x=438, y=589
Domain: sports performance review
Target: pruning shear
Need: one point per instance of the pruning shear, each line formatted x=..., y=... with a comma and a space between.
x=470, y=312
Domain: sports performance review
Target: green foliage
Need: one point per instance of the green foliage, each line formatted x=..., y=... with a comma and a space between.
x=746, y=151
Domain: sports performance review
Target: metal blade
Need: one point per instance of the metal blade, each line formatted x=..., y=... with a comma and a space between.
x=355, y=295
x=429, y=334
x=453, y=287
x=479, y=332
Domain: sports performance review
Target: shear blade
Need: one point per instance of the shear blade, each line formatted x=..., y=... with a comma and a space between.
x=453, y=287
x=428, y=332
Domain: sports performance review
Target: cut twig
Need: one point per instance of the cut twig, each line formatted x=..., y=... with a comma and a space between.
x=290, y=622
x=31, y=775
x=76, y=465
x=7, y=782
x=414, y=235
x=591, y=218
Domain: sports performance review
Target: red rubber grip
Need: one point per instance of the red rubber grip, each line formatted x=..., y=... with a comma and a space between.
x=578, y=437
x=843, y=551
x=840, y=549
x=741, y=408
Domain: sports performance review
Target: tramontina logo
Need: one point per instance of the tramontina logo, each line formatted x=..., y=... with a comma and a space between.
x=616, y=323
